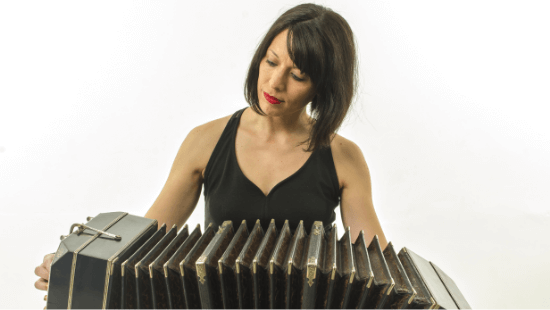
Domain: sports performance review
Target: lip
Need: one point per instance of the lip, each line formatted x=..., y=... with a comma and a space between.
x=271, y=99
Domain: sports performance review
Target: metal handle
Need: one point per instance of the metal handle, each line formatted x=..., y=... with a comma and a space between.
x=81, y=228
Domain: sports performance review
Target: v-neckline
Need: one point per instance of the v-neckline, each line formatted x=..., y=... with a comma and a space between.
x=233, y=149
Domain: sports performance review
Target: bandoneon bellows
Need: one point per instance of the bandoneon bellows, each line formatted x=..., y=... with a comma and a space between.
x=121, y=261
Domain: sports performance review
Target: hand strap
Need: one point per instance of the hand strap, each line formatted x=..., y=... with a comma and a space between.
x=82, y=227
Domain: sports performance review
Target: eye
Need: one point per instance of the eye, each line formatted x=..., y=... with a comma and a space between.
x=297, y=78
x=272, y=64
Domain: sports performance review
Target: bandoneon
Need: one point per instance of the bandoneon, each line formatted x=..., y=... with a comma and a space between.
x=121, y=261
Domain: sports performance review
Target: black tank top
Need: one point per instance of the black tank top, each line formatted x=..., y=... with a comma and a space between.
x=310, y=194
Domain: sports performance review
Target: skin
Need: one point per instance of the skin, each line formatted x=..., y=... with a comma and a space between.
x=267, y=153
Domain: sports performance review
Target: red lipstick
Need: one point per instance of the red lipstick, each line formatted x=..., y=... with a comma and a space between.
x=271, y=99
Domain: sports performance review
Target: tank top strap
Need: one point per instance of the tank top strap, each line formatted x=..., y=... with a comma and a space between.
x=328, y=161
x=223, y=146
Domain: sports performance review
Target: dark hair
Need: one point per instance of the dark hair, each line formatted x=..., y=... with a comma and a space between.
x=323, y=47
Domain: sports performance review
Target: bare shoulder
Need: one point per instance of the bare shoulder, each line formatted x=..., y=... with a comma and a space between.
x=348, y=159
x=345, y=151
x=208, y=134
x=199, y=144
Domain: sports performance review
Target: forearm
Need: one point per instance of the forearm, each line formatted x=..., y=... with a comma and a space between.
x=371, y=227
x=174, y=205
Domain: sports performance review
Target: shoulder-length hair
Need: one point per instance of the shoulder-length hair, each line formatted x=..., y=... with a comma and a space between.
x=321, y=44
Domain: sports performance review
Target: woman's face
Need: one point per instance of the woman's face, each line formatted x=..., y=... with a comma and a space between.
x=282, y=88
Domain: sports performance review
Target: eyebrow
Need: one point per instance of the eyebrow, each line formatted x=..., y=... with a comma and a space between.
x=293, y=64
x=274, y=53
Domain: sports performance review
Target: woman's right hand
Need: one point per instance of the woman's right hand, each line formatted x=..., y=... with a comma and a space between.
x=43, y=271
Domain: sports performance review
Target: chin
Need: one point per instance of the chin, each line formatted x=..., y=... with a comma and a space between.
x=269, y=109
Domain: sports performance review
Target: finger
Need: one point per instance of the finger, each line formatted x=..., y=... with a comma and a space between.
x=45, y=297
x=41, y=284
x=49, y=257
x=42, y=272
x=48, y=261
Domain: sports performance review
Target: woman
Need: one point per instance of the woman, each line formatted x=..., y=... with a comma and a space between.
x=273, y=160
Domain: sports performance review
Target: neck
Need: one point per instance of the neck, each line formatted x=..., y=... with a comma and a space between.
x=285, y=127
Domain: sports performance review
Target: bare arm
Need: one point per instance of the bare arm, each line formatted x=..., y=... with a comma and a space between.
x=177, y=199
x=356, y=205
x=180, y=194
x=182, y=190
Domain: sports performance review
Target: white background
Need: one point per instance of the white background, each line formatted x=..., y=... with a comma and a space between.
x=96, y=97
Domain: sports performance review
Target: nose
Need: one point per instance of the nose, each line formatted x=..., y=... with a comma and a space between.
x=278, y=80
